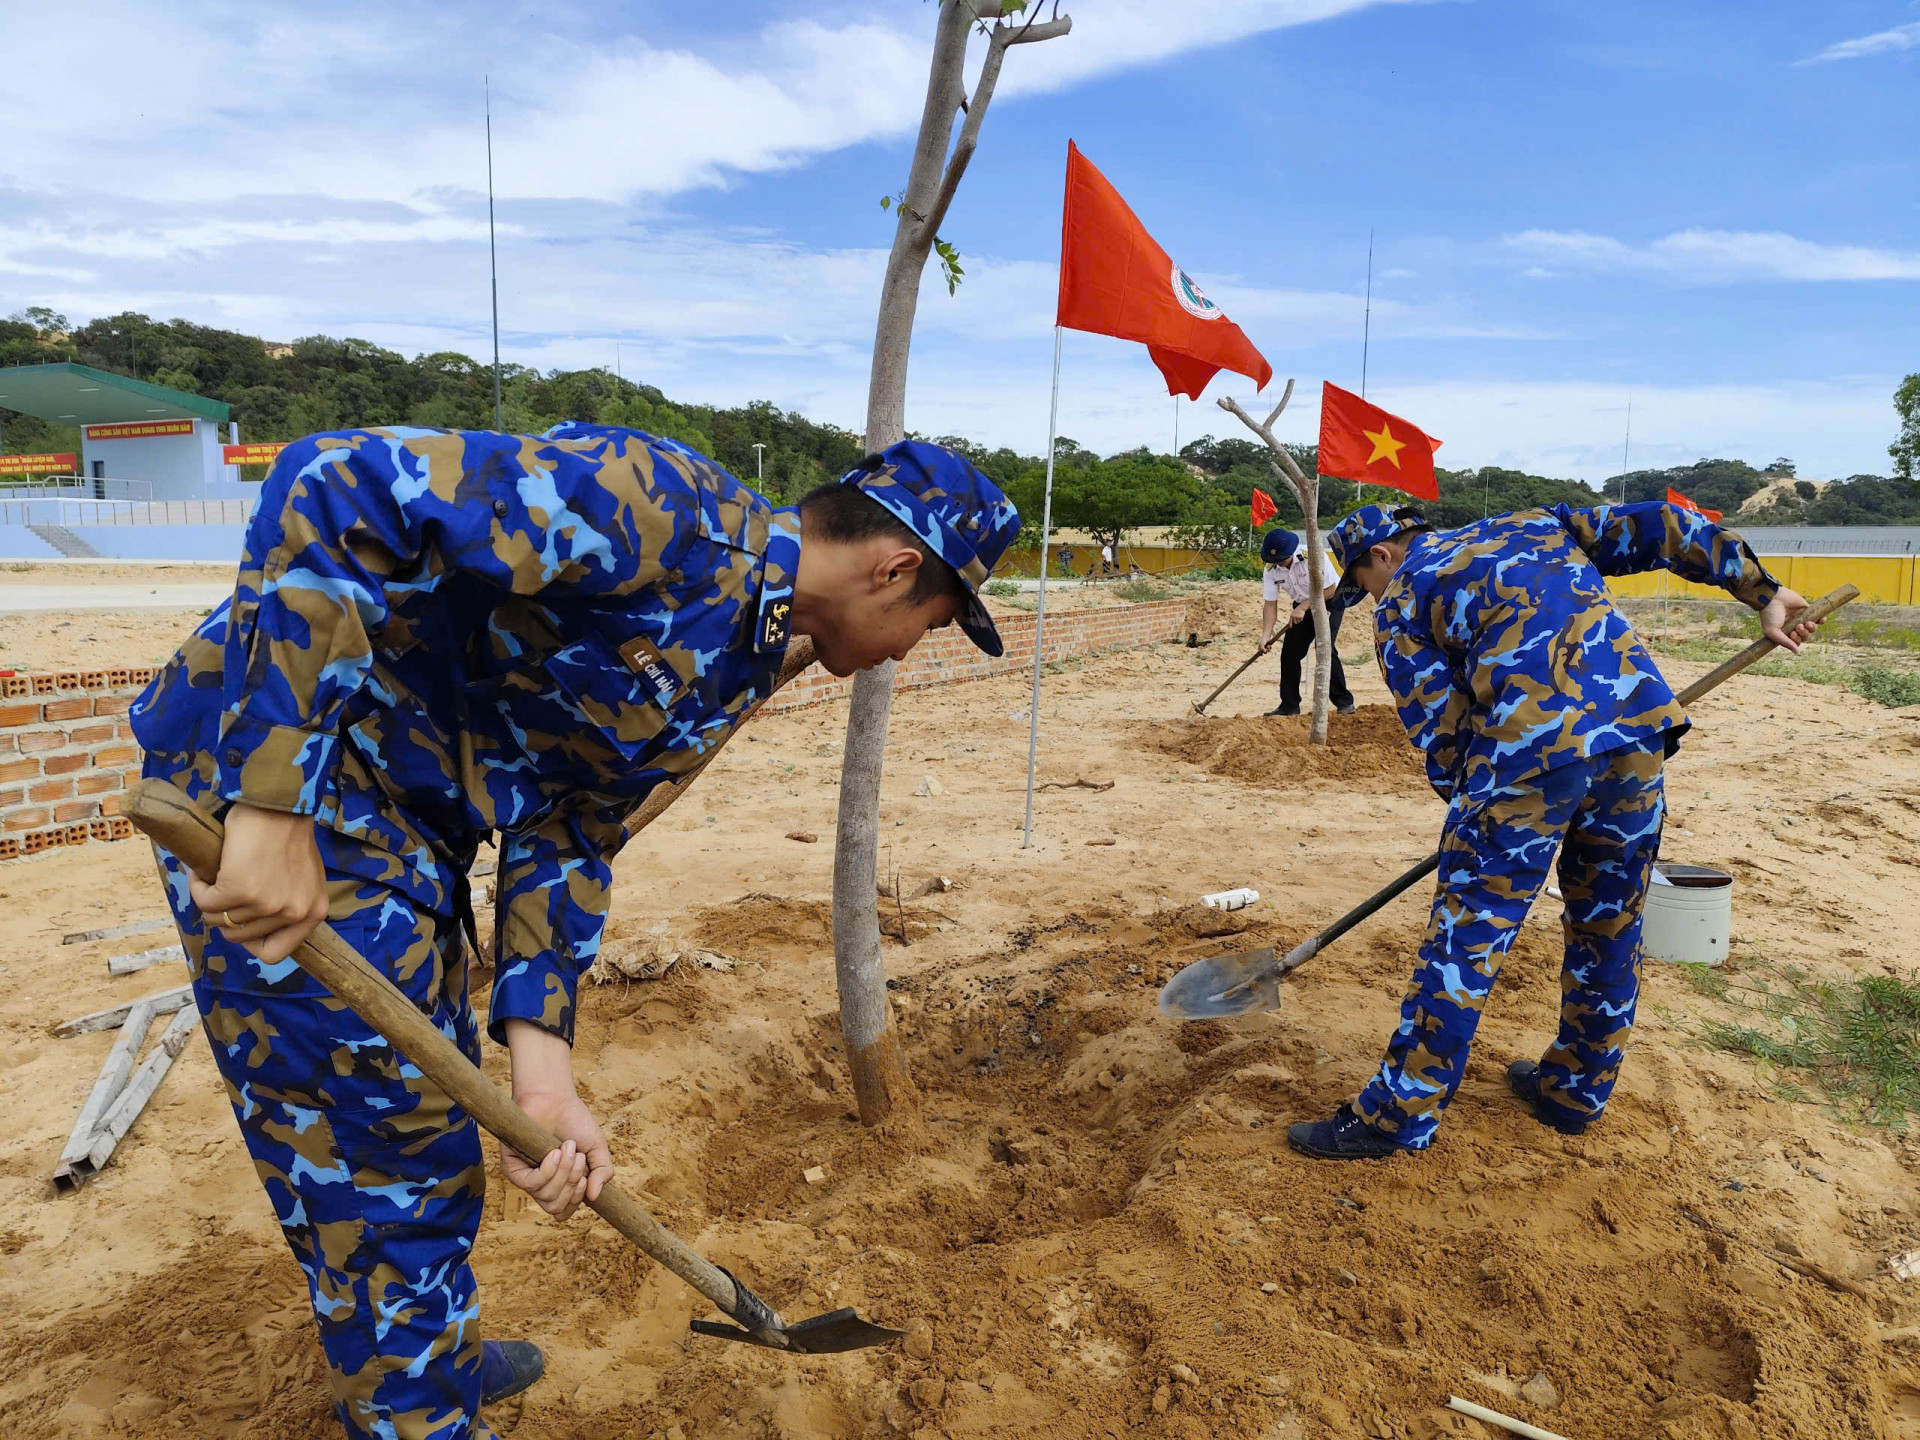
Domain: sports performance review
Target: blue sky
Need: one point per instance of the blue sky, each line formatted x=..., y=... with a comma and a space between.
x=1711, y=210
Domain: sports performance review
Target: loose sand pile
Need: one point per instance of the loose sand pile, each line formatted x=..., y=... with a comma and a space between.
x=1367, y=747
x=1096, y=1228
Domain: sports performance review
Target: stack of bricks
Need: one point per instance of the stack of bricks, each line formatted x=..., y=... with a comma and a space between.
x=947, y=655
x=66, y=754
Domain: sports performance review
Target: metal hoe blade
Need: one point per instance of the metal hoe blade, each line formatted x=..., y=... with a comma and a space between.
x=827, y=1334
x=1224, y=986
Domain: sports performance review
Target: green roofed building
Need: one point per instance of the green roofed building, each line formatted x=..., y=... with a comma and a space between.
x=139, y=441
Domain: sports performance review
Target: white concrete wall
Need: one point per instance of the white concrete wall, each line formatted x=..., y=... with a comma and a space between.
x=179, y=467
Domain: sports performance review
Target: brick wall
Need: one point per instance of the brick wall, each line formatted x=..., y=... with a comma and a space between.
x=65, y=755
x=66, y=752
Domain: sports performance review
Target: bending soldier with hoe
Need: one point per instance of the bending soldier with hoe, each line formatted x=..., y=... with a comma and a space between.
x=1285, y=577
x=437, y=637
x=1545, y=726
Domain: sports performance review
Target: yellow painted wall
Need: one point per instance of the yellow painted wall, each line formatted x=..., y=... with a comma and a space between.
x=1883, y=579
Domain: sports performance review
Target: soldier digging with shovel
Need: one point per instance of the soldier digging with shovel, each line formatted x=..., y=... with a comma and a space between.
x=439, y=637
x=1545, y=726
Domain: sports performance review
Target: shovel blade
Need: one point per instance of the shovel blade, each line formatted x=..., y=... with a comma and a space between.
x=1223, y=986
x=828, y=1334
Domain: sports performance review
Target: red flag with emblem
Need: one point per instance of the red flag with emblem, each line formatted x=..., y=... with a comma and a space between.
x=1262, y=509
x=1674, y=497
x=1115, y=280
x=1363, y=443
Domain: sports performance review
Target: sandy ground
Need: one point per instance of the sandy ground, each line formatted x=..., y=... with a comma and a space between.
x=1097, y=1227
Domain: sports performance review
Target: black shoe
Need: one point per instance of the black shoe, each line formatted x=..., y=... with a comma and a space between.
x=1523, y=1078
x=1284, y=710
x=507, y=1367
x=1343, y=1137
x=1346, y=709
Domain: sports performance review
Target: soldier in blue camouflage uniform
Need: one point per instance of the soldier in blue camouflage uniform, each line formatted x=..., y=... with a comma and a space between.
x=1545, y=726
x=438, y=637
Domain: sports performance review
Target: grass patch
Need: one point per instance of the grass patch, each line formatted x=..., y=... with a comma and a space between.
x=1001, y=589
x=1233, y=567
x=1854, y=1044
x=1889, y=687
x=1142, y=590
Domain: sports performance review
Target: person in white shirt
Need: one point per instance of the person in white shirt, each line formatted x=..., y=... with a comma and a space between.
x=1286, y=577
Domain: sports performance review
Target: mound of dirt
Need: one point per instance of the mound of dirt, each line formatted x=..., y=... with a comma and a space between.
x=1221, y=610
x=1368, y=745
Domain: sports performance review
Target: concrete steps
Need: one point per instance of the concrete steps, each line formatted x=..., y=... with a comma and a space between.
x=66, y=542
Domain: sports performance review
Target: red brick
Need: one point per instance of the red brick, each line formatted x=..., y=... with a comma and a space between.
x=119, y=677
x=43, y=684
x=41, y=839
x=111, y=806
x=116, y=755
x=24, y=820
x=99, y=782
x=50, y=790
x=64, y=764
x=143, y=675
x=113, y=704
x=12, y=795
x=100, y=829
x=93, y=679
x=11, y=770
x=12, y=685
x=76, y=810
x=69, y=709
x=29, y=740
x=90, y=734
x=66, y=679
x=9, y=849
x=120, y=829
x=19, y=715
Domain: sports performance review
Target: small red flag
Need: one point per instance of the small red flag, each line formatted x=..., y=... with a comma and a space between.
x=1674, y=497
x=1363, y=443
x=1263, y=509
x=1115, y=280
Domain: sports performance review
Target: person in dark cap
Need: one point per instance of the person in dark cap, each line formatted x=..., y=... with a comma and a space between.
x=1286, y=578
x=1545, y=725
x=439, y=638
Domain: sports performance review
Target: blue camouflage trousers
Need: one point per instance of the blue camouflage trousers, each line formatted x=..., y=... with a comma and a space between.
x=1604, y=814
x=374, y=1174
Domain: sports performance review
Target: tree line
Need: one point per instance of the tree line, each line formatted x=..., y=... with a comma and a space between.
x=322, y=383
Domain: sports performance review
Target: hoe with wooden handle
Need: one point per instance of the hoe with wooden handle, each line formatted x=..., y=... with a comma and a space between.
x=1229, y=985
x=177, y=825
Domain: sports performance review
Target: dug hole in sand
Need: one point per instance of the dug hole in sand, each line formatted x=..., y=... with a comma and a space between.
x=1095, y=1228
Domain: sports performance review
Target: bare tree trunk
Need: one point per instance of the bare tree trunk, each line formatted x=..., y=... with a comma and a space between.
x=880, y=1079
x=1306, y=490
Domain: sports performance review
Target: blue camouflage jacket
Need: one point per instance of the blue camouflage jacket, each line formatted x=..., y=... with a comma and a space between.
x=1505, y=655
x=439, y=634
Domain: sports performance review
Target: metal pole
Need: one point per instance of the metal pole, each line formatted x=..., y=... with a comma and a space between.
x=1626, y=447
x=1366, y=338
x=1040, y=611
x=759, y=463
x=493, y=263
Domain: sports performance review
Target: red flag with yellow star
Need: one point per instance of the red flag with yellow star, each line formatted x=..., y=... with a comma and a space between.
x=1363, y=443
x=1262, y=509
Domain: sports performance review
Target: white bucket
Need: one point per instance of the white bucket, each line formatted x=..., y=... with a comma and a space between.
x=1689, y=914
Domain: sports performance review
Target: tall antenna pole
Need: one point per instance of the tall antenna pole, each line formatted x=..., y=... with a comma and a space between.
x=1366, y=323
x=1626, y=447
x=1176, y=425
x=493, y=263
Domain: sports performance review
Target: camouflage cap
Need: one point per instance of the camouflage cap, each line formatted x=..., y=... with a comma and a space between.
x=957, y=511
x=1353, y=537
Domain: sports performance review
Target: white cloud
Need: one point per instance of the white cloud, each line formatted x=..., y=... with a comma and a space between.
x=1713, y=255
x=1884, y=42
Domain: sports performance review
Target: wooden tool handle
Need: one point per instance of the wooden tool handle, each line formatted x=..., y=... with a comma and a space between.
x=177, y=825
x=1201, y=707
x=1761, y=648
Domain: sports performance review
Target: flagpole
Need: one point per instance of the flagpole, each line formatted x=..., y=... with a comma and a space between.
x=1040, y=611
x=1366, y=339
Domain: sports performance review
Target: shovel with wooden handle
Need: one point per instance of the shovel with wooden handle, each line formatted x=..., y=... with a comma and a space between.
x=177, y=825
x=1228, y=985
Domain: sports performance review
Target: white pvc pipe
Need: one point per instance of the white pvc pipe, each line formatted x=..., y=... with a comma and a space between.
x=1505, y=1422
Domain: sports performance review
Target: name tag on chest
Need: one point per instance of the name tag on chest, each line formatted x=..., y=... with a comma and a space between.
x=643, y=657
